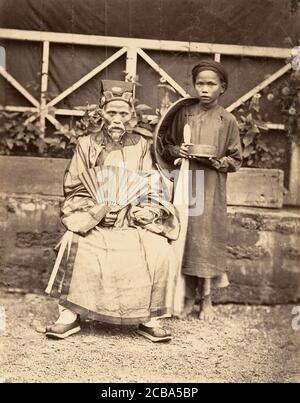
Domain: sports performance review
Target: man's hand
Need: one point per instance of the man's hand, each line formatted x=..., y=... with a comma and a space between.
x=111, y=217
x=144, y=216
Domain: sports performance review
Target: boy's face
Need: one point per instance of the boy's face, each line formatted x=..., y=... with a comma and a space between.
x=209, y=87
x=117, y=115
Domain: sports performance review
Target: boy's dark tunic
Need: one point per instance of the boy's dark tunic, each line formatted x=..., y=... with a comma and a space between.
x=205, y=250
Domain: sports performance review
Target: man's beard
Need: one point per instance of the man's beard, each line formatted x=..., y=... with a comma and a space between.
x=116, y=132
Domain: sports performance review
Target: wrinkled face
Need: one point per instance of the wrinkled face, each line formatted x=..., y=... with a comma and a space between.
x=209, y=87
x=117, y=115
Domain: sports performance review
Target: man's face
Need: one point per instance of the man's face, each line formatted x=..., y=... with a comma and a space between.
x=116, y=115
x=208, y=87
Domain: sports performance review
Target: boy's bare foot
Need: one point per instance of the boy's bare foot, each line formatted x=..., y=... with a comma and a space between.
x=206, y=309
x=188, y=308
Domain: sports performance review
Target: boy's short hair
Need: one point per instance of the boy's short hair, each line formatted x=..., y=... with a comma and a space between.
x=209, y=64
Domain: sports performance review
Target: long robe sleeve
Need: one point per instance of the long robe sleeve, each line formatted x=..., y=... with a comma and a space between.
x=232, y=161
x=174, y=137
x=80, y=213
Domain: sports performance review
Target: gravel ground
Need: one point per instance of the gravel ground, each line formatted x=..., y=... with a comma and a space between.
x=244, y=344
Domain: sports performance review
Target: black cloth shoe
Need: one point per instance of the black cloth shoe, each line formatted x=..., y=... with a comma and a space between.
x=155, y=334
x=61, y=331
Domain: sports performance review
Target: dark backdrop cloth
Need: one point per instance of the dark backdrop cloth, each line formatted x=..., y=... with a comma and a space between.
x=259, y=22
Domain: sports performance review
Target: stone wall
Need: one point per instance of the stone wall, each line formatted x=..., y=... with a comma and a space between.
x=263, y=249
x=29, y=230
x=263, y=255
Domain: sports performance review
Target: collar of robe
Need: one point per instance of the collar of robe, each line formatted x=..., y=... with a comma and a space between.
x=128, y=139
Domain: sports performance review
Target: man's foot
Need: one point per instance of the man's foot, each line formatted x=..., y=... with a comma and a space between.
x=62, y=331
x=155, y=334
x=206, y=309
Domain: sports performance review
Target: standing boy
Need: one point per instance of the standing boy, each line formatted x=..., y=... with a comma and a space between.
x=205, y=250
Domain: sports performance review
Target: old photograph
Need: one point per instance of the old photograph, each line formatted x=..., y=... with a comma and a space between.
x=149, y=193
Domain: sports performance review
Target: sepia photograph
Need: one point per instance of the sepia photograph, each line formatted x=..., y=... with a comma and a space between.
x=149, y=194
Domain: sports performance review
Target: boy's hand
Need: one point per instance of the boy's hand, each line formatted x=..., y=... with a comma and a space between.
x=214, y=163
x=183, y=151
x=179, y=151
x=209, y=162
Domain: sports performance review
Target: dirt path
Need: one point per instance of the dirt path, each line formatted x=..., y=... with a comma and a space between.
x=245, y=344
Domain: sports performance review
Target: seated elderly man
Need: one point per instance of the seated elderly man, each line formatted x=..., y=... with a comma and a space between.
x=115, y=263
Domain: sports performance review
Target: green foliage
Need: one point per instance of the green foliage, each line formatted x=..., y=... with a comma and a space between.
x=256, y=151
x=18, y=136
x=251, y=125
x=21, y=136
x=287, y=97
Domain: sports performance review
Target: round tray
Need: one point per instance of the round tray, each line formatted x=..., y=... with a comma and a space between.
x=202, y=155
x=201, y=149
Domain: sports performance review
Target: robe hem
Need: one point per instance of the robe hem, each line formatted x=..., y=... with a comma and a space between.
x=218, y=279
x=88, y=314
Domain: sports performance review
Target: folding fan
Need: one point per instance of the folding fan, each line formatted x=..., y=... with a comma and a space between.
x=113, y=185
